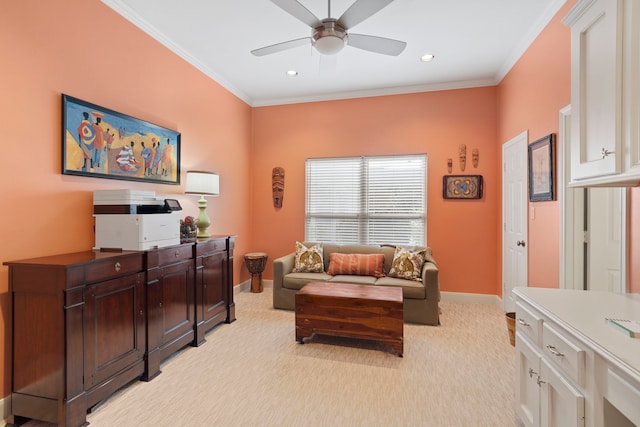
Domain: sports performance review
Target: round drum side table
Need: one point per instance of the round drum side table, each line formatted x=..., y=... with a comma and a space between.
x=255, y=262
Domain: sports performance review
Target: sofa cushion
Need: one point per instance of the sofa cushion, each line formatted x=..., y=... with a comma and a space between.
x=308, y=259
x=298, y=280
x=358, y=280
x=356, y=264
x=410, y=288
x=407, y=264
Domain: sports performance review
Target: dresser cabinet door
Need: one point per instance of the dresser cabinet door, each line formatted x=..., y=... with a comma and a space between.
x=562, y=405
x=114, y=327
x=527, y=403
x=213, y=290
x=176, y=300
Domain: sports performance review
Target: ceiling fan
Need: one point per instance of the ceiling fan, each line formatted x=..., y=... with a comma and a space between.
x=329, y=35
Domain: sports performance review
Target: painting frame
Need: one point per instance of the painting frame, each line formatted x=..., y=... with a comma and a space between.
x=462, y=187
x=98, y=142
x=541, y=162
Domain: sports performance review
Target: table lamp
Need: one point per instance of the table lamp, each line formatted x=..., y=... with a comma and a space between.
x=203, y=184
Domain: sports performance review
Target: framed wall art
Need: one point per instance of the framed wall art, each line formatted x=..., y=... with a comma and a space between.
x=462, y=186
x=102, y=143
x=541, y=165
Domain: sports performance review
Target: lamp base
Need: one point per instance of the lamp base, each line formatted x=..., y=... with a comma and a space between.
x=203, y=220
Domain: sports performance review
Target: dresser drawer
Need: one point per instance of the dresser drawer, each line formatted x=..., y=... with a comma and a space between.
x=212, y=245
x=104, y=269
x=567, y=354
x=528, y=323
x=174, y=254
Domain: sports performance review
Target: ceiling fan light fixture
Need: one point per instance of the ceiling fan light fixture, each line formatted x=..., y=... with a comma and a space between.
x=329, y=38
x=329, y=45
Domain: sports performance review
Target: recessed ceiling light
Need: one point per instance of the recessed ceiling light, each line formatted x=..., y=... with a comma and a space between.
x=292, y=73
x=427, y=57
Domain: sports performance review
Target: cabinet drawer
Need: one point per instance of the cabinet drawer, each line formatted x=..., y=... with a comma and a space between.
x=174, y=254
x=528, y=323
x=623, y=395
x=108, y=268
x=564, y=352
x=211, y=245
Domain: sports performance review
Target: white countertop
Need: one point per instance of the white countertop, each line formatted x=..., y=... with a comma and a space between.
x=583, y=314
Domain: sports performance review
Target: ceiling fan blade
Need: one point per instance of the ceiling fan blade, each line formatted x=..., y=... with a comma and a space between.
x=361, y=10
x=297, y=10
x=376, y=44
x=279, y=47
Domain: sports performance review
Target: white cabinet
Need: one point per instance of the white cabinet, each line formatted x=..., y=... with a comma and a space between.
x=548, y=390
x=572, y=368
x=605, y=89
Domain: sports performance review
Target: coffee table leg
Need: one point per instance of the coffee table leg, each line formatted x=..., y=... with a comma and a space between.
x=302, y=333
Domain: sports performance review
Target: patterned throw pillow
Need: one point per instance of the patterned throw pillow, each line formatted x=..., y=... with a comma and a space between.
x=407, y=264
x=358, y=264
x=308, y=260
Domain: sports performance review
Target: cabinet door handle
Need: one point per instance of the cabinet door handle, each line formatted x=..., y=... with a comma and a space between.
x=160, y=305
x=605, y=152
x=540, y=382
x=554, y=350
x=523, y=322
x=532, y=373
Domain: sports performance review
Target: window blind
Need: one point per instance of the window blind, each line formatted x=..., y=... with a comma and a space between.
x=366, y=200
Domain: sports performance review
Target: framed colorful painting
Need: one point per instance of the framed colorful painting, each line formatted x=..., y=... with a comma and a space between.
x=102, y=143
x=462, y=186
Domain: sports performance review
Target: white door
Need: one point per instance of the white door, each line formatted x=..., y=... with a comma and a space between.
x=514, y=217
x=604, y=241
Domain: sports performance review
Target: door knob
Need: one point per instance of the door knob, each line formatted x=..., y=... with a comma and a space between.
x=521, y=243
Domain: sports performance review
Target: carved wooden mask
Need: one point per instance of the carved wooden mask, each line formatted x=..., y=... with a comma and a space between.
x=277, y=186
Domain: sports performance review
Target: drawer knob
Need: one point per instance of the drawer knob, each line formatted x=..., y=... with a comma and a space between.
x=177, y=254
x=554, y=350
x=117, y=267
x=523, y=322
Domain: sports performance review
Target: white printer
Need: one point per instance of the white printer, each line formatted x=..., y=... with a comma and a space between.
x=135, y=220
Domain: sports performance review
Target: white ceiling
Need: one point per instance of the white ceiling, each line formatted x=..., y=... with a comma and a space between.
x=475, y=43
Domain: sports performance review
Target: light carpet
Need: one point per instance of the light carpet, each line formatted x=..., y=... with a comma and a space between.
x=253, y=373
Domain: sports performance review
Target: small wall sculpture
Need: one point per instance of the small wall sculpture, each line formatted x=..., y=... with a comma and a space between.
x=277, y=186
x=449, y=165
x=475, y=157
x=462, y=153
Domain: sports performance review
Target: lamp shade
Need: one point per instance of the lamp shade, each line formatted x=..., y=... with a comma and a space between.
x=203, y=183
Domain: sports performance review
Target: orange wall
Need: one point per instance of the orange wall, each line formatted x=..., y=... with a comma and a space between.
x=530, y=97
x=461, y=233
x=86, y=50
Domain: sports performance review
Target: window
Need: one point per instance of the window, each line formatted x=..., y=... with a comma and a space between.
x=367, y=200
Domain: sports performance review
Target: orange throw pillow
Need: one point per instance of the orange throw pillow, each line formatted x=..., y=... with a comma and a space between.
x=358, y=264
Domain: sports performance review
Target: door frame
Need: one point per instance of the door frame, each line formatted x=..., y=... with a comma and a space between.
x=572, y=206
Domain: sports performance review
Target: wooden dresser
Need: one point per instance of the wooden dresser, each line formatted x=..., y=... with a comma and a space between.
x=86, y=324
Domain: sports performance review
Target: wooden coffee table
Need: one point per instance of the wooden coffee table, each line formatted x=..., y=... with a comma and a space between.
x=354, y=311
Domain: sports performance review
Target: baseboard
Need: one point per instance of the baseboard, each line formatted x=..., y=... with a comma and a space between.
x=246, y=286
x=5, y=409
x=472, y=298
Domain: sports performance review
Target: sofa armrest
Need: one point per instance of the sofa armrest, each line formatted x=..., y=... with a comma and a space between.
x=431, y=281
x=281, y=267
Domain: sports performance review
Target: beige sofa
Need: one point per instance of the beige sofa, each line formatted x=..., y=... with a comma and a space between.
x=421, y=298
